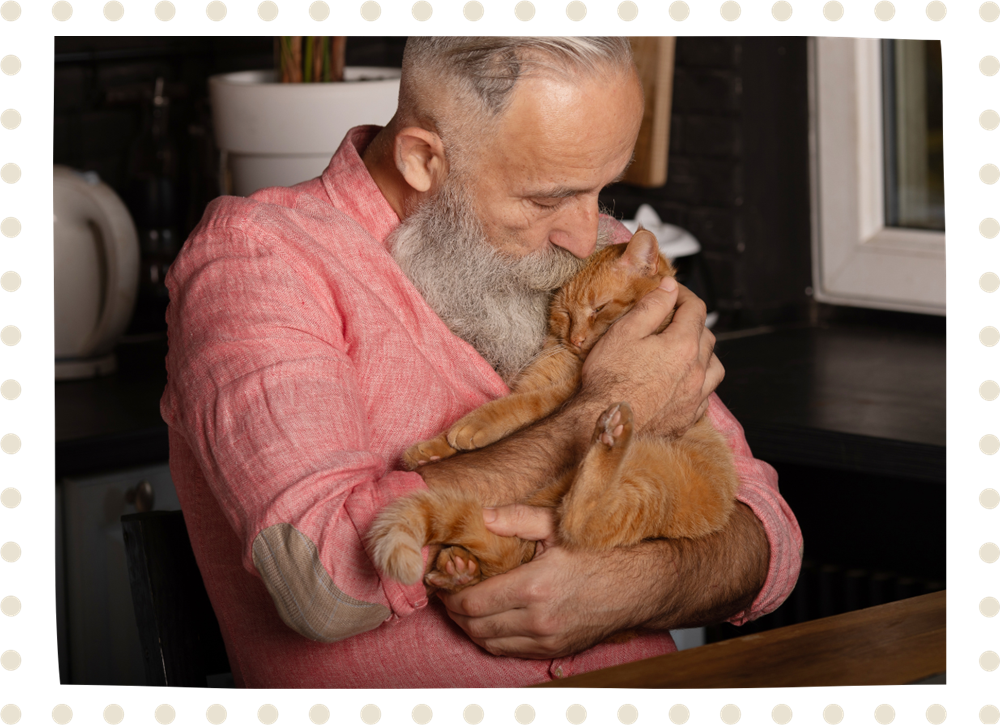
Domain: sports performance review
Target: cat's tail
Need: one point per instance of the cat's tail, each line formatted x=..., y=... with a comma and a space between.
x=407, y=525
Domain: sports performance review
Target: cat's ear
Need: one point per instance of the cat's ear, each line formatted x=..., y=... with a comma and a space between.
x=642, y=254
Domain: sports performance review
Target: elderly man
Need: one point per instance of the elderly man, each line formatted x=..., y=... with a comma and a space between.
x=317, y=331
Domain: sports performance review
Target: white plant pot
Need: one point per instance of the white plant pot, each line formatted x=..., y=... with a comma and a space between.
x=280, y=134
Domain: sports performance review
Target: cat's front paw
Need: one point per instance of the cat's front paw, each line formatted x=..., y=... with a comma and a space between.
x=427, y=452
x=469, y=435
x=454, y=570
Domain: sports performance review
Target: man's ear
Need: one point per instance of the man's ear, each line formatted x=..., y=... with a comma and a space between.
x=420, y=159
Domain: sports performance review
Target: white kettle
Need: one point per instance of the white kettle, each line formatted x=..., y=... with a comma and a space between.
x=96, y=260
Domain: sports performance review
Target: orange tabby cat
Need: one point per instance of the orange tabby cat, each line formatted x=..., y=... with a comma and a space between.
x=627, y=487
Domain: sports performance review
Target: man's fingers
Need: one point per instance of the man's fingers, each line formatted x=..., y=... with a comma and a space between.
x=690, y=312
x=489, y=597
x=643, y=319
x=707, y=348
x=531, y=523
x=713, y=376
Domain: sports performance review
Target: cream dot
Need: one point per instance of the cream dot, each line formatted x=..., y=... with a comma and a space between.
x=989, y=174
x=10, y=64
x=576, y=11
x=730, y=10
x=833, y=10
x=62, y=11
x=524, y=10
x=11, y=11
x=627, y=714
x=10, y=281
x=781, y=10
x=729, y=714
x=989, y=607
x=320, y=11
x=267, y=11
x=988, y=660
x=10, y=660
x=885, y=11
x=989, y=227
x=989, y=66
x=989, y=715
x=422, y=10
x=370, y=714
x=164, y=713
x=267, y=714
x=989, y=282
x=10, y=498
x=473, y=11
x=113, y=714
x=989, y=498
x=10, y=389
x=989, y=390
x=989, y=119
x=10, y=119
x=215, y=10
x=524, y=714
x=62, y=714
x=10, y=335
x=10, y=552
x=989, y=444
x=679, y=10
x=833, y=714
x=781, y=714
x=936, y=10
x=10, y=227
x=884, y=714
x=473, y=714
x=319, y=714
x=422, y=714
x=576, y=714
x=215, y=714
x=370, y=10
x=989, y=552
x=10, y=443
x=628, y=11
x=114, y=11
x=10, y=714
x=11, y=173
x=989, y=336
x=164, y=10
x=679, y=714
x=936, y=714
x=989, y=11
x=10, y=606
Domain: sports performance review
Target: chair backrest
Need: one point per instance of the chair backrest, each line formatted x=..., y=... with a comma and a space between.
x=180, y=636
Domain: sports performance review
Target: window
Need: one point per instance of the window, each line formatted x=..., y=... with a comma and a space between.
x=878, y=189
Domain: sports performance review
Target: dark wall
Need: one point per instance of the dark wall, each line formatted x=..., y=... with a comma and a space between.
x=738, y=167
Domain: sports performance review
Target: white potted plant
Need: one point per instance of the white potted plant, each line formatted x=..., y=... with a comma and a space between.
x=280, y=127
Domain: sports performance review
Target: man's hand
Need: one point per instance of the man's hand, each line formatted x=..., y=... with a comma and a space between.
x=668, y=377
x=553, y=606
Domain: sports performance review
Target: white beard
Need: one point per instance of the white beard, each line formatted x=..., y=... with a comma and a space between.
x=495, y=302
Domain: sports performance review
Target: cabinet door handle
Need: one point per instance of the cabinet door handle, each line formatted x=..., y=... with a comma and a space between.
x=141, y=496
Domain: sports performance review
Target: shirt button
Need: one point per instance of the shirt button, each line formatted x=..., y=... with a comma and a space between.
x=558, y=671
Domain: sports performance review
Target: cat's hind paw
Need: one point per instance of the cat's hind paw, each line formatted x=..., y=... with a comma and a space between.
x=429, y=451
x=454, y=570
x=614, y=427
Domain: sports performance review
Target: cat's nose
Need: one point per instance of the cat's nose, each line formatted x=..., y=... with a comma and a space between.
x=576, y=340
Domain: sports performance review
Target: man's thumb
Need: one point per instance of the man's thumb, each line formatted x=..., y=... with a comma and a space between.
x=651, y=310
x=531, y=523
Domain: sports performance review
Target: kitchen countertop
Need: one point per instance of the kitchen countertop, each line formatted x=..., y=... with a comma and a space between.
x=845, y=397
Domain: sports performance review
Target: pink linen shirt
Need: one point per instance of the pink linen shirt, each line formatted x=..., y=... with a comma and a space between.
x=302, y=363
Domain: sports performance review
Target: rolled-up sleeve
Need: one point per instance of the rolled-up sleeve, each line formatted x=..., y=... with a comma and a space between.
x=759, y=490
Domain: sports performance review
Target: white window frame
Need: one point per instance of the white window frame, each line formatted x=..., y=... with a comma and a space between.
x=857, y=260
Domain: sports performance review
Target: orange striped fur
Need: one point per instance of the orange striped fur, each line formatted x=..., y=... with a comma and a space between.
x=626, y=489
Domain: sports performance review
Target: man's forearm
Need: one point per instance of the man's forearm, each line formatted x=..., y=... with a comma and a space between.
x=684, y=583
x=512, y=468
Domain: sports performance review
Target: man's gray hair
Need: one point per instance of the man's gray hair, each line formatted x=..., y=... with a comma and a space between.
x=484, y=70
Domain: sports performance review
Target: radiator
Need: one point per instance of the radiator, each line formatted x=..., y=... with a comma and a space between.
x=824, y=590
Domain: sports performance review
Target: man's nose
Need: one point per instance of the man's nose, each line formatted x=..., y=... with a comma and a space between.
x=577, y=232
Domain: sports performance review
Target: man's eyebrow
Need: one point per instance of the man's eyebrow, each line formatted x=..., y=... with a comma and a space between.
x=564, y=192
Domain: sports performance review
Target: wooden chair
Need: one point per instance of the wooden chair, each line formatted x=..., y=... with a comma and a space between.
x=181, y=642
